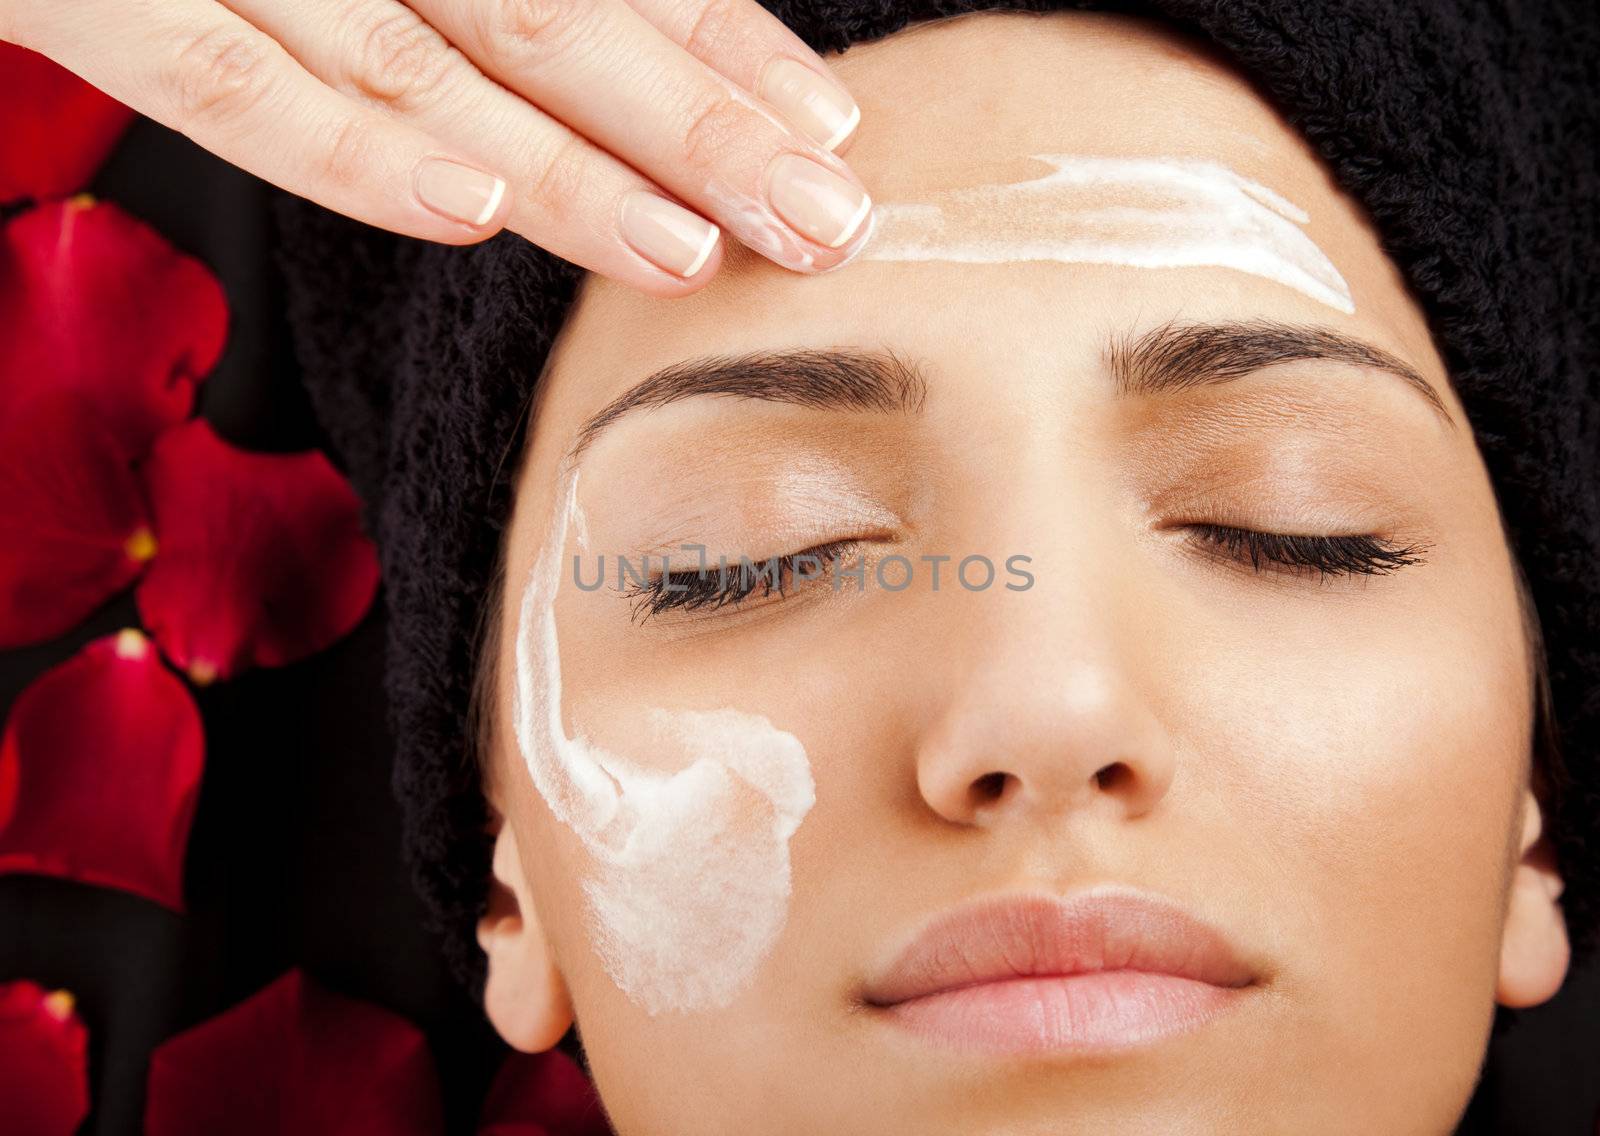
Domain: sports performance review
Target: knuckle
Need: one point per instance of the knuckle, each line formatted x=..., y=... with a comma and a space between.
x=716, y=127
x=400, y=59
x=527, y=32
x=713, y=24
x=556, y=189
x=221, y=74
x=351, y=154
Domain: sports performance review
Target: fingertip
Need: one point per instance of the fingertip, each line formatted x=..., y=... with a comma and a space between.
x=460, y=236
x=843, y=146
x=476, y=200
x=678, y=243
x=670, y=286
x=701, y=268
x=863, y=238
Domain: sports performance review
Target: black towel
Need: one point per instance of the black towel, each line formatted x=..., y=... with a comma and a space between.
x=1468, y=129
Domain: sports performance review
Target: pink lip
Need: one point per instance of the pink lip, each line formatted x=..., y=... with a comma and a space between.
x=1035, y=974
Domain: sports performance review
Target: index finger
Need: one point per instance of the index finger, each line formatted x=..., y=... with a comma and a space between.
x=755, y=49
x=606, y=72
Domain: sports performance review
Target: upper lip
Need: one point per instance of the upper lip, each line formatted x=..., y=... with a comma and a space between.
x=1014, y=936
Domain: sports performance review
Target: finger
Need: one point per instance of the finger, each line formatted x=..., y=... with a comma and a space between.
x=202, y=70
x=606, y=72
x=758, y=51
x=567, y=195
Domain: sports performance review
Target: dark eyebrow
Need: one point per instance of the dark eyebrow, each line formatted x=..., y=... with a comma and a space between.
x=1166, y=358
x=822, y=379
x=1177, y=357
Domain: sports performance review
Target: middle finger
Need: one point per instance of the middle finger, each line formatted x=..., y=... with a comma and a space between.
x=610, y=75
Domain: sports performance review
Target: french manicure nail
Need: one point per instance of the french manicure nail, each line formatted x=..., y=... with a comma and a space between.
x=816, y=105
x=667, y=234
x=459, y=192
x=817, y=202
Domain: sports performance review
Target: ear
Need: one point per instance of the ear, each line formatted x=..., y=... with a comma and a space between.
x=526, y=996
x=1534, y=952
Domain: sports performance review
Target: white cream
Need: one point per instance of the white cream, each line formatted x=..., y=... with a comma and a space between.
x=690, y=846
x=1139, y=212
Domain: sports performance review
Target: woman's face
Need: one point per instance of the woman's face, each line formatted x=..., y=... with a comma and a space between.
x=728, y=817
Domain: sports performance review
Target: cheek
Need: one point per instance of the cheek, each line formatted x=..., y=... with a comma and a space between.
x=1395, y=789
x=663, y=923
x=684, y=815
x=1375, y=774
x=678, y=839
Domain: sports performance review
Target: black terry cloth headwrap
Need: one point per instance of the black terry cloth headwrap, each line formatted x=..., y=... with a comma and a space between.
x=1465, y=127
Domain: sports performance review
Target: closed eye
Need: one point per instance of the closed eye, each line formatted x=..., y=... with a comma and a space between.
x=732, y=584
x=1364, y=554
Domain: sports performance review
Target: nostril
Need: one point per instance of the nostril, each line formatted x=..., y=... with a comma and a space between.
x=990, y=786
x=1113, y=775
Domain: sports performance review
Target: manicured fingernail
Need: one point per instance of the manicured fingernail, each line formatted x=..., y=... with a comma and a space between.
x=816, y=201
x=816, y=105
x=667, y=234
x=459, y=192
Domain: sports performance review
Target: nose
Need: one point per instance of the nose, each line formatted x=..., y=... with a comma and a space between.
x=1048, y=717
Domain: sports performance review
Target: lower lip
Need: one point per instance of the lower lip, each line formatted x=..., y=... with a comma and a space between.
x=1099, y=1010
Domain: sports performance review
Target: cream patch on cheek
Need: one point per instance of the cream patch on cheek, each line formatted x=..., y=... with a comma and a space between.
x=1138, y=212
x=690, y=846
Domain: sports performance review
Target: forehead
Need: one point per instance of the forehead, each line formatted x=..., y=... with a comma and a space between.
x=964, y=102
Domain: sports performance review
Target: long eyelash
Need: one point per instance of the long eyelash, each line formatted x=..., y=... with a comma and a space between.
x=1358, y=554
x=710, y=588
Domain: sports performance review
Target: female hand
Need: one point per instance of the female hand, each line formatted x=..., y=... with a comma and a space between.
x=610, y=132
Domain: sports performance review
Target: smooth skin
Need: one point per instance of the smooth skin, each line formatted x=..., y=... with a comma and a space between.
x=450, y=120
x=1336, y=772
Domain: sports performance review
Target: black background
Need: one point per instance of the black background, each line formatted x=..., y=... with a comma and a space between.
x=294, y=861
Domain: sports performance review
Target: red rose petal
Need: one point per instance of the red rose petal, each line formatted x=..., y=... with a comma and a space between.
x=99, y=771
x=58, y=128
x=542, y=1094
x=73, y=525
x=261, y=558
x=44, y=1085
x=95, y=301
x=296, y=1058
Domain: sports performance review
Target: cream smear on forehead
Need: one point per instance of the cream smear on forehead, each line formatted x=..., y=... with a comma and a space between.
x=690, y=845
x=1141, y=212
